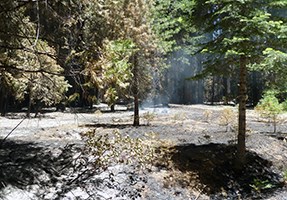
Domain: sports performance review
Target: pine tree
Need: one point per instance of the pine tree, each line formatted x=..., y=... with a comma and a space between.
x=123, y=20
x=241, y=30
x=27, y=62
x=112, y=72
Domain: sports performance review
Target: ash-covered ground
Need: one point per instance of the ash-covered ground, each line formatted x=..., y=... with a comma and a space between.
x=42, y=159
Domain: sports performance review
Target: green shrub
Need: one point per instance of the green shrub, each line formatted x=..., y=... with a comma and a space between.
x=284, y=104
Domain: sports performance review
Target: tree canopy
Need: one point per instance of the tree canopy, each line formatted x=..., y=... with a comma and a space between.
x=109, y=50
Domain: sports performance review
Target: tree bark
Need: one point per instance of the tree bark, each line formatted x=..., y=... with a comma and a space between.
x=213, y=90
x=241, y=146
x=3, y=102
x=136, y=91
x=136, y=111
x=28, y=115
x=274, y=123
x=113, y=108
x=226, y=90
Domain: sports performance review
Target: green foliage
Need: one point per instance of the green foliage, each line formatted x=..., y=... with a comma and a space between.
x=236, y=34
x=43, y=83
x=124, y=52
x=269, y=105
x=112, y=72
x=270, y=108
x=284, y=105
x=111, y=96
x=285, y=176
x=169, y=21
x=177, y=37
x=254, y=30
x=259, y=185
x=28, y=65
x=273, y=67
x=73, y=97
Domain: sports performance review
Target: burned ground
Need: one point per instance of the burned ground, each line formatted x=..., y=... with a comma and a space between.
x=42, y=158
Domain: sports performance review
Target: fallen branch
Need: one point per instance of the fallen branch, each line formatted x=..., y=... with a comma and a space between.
x=12, y=131
x=199, y=194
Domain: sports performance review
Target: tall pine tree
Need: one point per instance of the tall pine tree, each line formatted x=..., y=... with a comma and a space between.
x=237, y=34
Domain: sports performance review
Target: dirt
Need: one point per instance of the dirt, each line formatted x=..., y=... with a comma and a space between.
x=40, y=159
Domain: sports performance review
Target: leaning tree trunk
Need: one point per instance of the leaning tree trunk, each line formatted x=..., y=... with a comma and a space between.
x=241, y=146
x=136, y=90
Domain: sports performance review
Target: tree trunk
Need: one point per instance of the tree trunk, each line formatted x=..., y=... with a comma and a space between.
x=213, y=90
x=113, y=108
x=241, y=146
x=29, y=106
x=136, y=111
x=274, y=123
x=255, y=89
x=136, y=91
x=3, y=103
x=226, y=90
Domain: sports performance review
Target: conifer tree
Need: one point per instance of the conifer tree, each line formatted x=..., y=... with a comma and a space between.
x=112, y=72
x=238, y=32
x=123, y=20
x=27, y=62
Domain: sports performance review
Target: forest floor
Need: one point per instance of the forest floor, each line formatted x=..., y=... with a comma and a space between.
x=44, y=158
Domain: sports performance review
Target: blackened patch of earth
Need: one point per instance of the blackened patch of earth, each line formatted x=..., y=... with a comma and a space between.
x=217, y=177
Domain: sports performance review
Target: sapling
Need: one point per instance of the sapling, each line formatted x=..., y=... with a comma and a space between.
x=285, y=176
x=207, y=115
x=270, y=108
x=180, y=116
x=149, y=116
x=228, y=119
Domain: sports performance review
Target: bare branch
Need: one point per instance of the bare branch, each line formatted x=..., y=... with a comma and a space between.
x=28, y=50
x=38, y=25
x=22, y=69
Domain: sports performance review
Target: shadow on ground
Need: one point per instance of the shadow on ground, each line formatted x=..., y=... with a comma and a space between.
x=23, y=164
x=19, y=163
x=213, y=167
x=112, y=126
x=108, y=125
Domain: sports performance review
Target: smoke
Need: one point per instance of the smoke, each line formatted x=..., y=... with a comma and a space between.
x=172, y=86
x=181, y=90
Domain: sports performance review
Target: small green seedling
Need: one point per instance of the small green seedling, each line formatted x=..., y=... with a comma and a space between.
x=270, y=109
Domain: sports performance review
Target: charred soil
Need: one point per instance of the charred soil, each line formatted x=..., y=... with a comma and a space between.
x=45, y=158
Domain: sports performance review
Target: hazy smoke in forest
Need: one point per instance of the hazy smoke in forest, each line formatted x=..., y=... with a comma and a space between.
x=180, y=89
x=173, y=86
